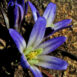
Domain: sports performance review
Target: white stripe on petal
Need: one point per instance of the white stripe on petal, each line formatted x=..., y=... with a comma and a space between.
x=51, y=62
x=52, y=44
x=49, y=13
x=37, y=33
x=62, y=24
x=21, y=10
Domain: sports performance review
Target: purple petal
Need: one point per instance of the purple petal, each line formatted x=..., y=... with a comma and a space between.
x=49, y=13
x=5, y=18
x=52, y=44
x=21, y=11
x=13, y=14
x=37, y=33
x=62, y=24
x=51, y=62
x=26, y=8
x=58, y=30
x=24, y=63
x=11, y=3
x=16, y=17
x=34, y=11
x=21, y=2
x=18, y=39
x=51, y=31
x=35, y=71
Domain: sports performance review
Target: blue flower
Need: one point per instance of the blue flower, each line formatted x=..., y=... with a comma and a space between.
x=16, y=13
x=34, y=53
x=49, y=15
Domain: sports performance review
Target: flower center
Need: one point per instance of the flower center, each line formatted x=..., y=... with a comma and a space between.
x=31, y=54
x=52, y=25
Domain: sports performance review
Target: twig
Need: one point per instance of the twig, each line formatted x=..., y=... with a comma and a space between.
x=70, y=55
x=45, y=72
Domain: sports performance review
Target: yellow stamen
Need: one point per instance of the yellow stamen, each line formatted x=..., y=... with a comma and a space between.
x=31, y=55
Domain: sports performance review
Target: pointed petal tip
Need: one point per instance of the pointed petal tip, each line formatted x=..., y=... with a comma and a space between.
x=10, y=30
x=62, y=38
x=10, y=3
x=62, y=66
x=51, y=62
x=51, y=3
x=65, y=65
x=50, y=13
x=70, y=20
x=42, y=19
x=34, y=11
